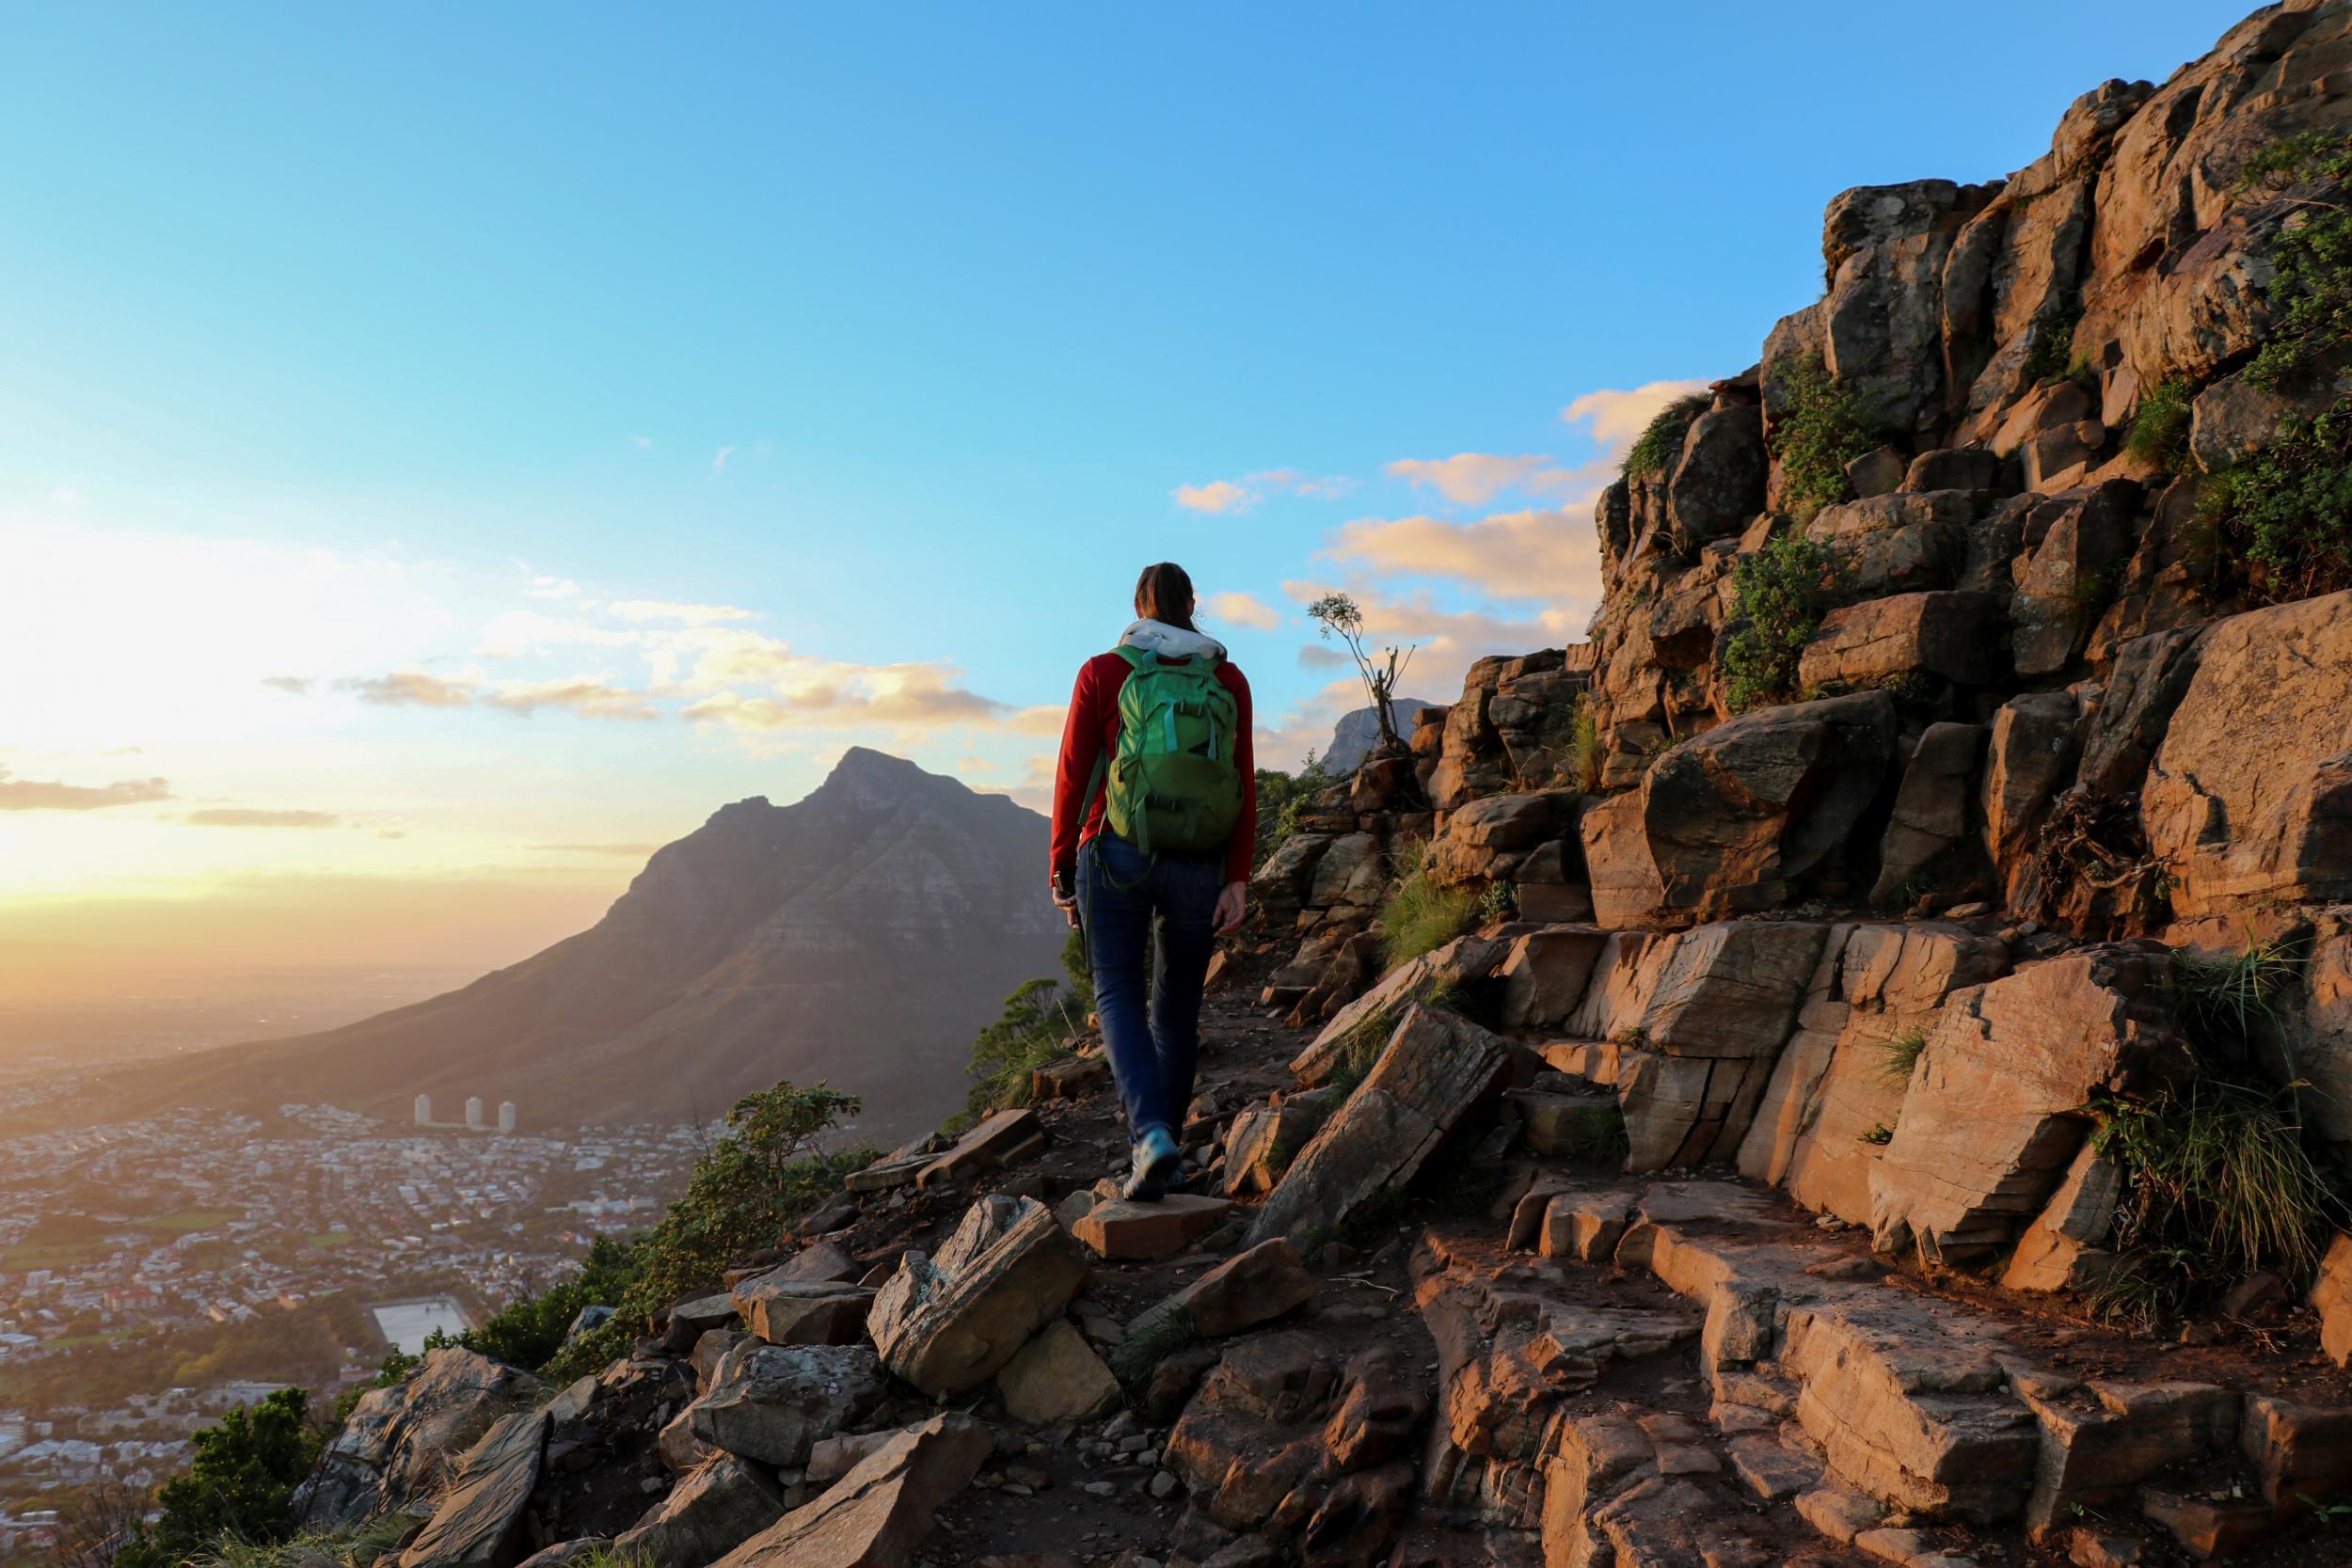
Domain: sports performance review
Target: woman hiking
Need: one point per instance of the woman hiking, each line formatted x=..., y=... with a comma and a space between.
x=1155, y=819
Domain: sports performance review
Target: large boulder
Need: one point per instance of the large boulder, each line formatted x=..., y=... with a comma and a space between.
x=479, y=1522
x=714, y=1509
x=2250, y=797
x=400, y=1446
x=2078, y=543
x=1883, y=321
x=1056, y=1378
x=2031, y=753
x=1897, y=544
x=879, y=1513
x=1951, y=635
x=948, y=1322
x=1739, y=818
x=772, y=1402
x=1932, y=809
x=1718, y=483
x=1993, y=1113
x=1432, y=1069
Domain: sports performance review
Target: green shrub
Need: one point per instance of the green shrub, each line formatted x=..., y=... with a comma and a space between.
x=1033, y=1031
x=2159, y=428
x=1661, y=438
x=2310, y=297
x=238, y=1487
x=357, y=1547
x=530, y=1332
x=744, y=1194
x=2309, y=157
x=1779, y=595
x=1417, y=916
x=2051, y=352
x=2284, y=515
x=1820, y=428
x=1281, y=797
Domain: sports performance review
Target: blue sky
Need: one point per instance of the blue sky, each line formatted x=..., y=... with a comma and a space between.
x=340, y=346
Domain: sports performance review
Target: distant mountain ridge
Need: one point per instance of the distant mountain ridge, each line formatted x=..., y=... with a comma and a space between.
x=861, y=936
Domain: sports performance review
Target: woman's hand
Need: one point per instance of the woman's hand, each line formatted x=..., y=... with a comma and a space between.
x=1231, y=905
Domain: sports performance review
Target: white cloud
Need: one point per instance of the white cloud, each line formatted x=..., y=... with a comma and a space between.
x=642, y=443
x=1534, y=554
x=1470, y=478
x=552, y=588
x=1222, y=495
x=720, y=460
x=691, y=615
x=1218, y=495
x=1613, y=419
x=1243, y=610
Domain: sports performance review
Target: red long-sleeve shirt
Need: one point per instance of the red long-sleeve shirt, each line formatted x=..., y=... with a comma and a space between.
x=1089, y=732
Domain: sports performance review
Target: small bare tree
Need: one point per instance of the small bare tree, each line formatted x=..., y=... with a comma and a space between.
x=1337, y=615
x=99, y=1524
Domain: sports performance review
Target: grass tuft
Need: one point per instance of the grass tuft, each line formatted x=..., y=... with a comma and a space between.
x=2224, y=1001
x=1417, y=916
x=1587, y=755
x=2159, y=428
x=1902, y=1055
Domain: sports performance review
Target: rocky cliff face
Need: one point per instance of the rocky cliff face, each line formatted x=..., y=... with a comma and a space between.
x=861, y=936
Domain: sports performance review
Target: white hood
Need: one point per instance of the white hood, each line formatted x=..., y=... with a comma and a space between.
x=1169, y=642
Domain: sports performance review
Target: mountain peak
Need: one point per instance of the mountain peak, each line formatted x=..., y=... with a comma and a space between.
x=871, y=777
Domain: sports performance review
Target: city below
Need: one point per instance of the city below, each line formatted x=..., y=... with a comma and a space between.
x=155, y=1273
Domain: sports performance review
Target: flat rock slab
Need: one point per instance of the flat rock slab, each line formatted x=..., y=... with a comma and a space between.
x=772, y=1402
x=479, y=1522
x=1055, y=1378
x=786, y=1311
x=710, y=1514
x=1129, y=1230
x=1001, y=1140
x=878, y=1514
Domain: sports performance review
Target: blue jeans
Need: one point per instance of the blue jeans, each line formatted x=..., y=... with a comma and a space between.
x=1125, y=901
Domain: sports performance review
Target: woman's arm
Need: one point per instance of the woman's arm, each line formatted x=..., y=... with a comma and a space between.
x=1241, y=850
x=1081, y=749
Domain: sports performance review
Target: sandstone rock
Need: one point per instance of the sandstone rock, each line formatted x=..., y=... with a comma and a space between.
x=2029, y=757
x=1246, y=1290
x=1930, y=812
x=1901, y=542
x=821, y=1263
x=691, y=1320
x=706, y=1515
x=1434, y=1068
x=1546, y=974
x=2064, y=1248
x=1876, y=472
x=2301, y=1455
x=1144, y=1231
x=1350, y=857
x=1072, y=1077
x=785, y=1311
x=1056, y=1377
x=1952, y=636
x=1953, y=469
x=480, y=1522
x=1992, y=1117
x=772, y=1402
x=1281, y=884
x=834, y=1457
x=1261, y=1141
x=400, y=1446
x=2250, y=797
x=2331, y=1298
x=2083, y=539
x=2102, y=1439
x=1738, y=818
x=1883, y=321
x=1249, y=1435
x=947, y=1324
x=1463, y=958
x=1005, y=1138
x=878, y=1514
x=1558, y=1125
x=1718, y=483
x=1486, y=838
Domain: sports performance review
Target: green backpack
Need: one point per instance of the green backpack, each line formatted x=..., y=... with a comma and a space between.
x=1173, y=782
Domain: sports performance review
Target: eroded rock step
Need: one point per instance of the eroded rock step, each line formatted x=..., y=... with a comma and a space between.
x=1689, y=1371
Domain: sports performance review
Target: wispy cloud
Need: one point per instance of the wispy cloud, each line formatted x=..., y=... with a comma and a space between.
x=1222, y=495
x=53, y=795
x=1475, y=478
x=251, y=817
x=690, y=614
x=720, y=461
x=587, y=696
x=1534, y=554
x=298, y=685
x=642, y=443
x=917, y=696
x=552, y=588
x=1613, y=418
x=1243, y=610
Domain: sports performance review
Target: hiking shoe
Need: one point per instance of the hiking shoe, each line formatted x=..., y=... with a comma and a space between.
x=1156, y=1161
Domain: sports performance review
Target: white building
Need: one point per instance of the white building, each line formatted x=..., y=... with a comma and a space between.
x=506, y=1116
x=474, y=1113
x=424, y=1110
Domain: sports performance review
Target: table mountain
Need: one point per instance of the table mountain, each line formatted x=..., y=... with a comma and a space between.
x=860, y=936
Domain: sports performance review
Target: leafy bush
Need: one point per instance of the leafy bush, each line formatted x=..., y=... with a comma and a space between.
x=2285, y=514
x=238, y=1487
x=1281, y=797
x=2310, y=297
x=2308, y=157
x=745, y=1193
x=2050, y=352
x=1779, y=593
x=1417, y=916
x=1820, y=429
x=528, y=1332
x=1662, y=436
x=2159, y=428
